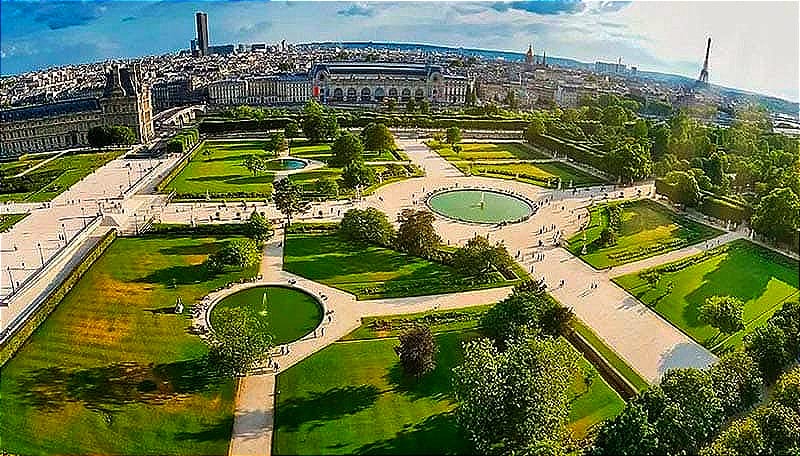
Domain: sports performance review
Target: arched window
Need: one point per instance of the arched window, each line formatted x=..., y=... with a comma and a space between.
x=405, y=94
x=338, y=94
x=419, y=94
x=379, y=94
x=393, y=92
x=366, y=94
x=351, y=94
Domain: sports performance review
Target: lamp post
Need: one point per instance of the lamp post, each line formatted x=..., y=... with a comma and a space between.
x=41, y=254
x=11, y=279
x=64, y=232
x=83, y=216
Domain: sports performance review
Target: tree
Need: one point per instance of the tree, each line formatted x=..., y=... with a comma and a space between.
x=122, y=135
x=767, y=345
x=411, y=106
x=99, y=136
x=239, y=342
x=777, y=214
x=391, y=104
x=377, y=137
x=737, y=381
x=723, y=313
x=317, y=124
x=630, y=162
x=516, y=401
x=660, y=136
x=357, y=174
x=277, y=143
x=607, y=237
x=289, y=199
x=259, y=227
x=254, y=164
x=417, y=351
x=535, y=130
x=741, y=438
x=369, y=225
x=346, y=149
x=416, y=234
x=780, y=426
x=291, y=130
x=686, y=190
x=327, y=187
x=478, y=258
x=453, y=135
x=424, y=106
x=238, y=253
x=614, y=116
x=631, y=432
x=787, y=390
x=693, y=413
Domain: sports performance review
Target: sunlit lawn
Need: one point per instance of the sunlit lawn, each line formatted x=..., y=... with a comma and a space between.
x=7, y=221
x=359, y=268
x=492, y=151
x=112, y=370
x=648, y=229
x=764, y=280
x=352, y=398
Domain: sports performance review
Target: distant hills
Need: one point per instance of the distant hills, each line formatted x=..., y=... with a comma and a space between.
x=772, y=103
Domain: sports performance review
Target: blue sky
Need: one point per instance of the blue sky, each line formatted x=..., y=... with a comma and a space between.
x=755, y=43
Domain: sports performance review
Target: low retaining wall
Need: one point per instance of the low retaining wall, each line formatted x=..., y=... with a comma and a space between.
x=611, y=375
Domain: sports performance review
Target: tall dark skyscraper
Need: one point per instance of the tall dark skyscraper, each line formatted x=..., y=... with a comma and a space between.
x=202, y=32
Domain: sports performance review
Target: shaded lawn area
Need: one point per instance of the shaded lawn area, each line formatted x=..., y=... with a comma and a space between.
x=648, y=229
x=352, y=398
x=113, y=371
x=535, y=173
x=490, y=151
x=222, y=170
x=73, y=168
x=762, y=279
x=9, y=220
x=308, y=179
x=371, y=272
x=569, y=174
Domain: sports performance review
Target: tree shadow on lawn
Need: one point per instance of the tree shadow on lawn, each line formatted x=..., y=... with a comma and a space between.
x=109, y=388
x=236, y=158
x=734, y=276
x=179, y=275
x=434, y=385
x=206, y=248
x=215, y=178
x=219, y=431
x=436, y=434
x=325, y=406
x=249, y=180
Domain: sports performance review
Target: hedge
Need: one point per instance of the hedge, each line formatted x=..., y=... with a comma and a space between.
x=182, y=141
x=177, y=169
x=214, y=229
x=577, y=152
x=724, y=210
x=10, y=347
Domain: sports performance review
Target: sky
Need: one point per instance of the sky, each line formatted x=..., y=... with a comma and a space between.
x=755, y=45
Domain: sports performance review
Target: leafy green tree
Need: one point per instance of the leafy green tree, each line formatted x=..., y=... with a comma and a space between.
x=411, y=105
x=239, y=342
x=122, y=135
x=630, y=162
x=737, y=381
x=780, y=426
x=276, y=143
x=357, y=174
x=515, y=401
x=723, y=313
x=741, y=438
x=686, y=189
x=787, y=318
x=534, y=130
x=787, y=390
x=777, y=215
x=318, y=125
x=660, y=137
x=767, y=345
x=416, y=234
x=693, y=413
x=614, y=116
x=99, y=136
x=478, y=258
x=377, y=137
x=327, y=186
x=346, y=149
x=631, y=433
x=368, y=225
x=254, y=164
x=239, y=253
x=259, y=227
x=453, y=135
x=289, y=199
x=417, y=351
x=608, y=237
x=291, y=130
x=424, y=107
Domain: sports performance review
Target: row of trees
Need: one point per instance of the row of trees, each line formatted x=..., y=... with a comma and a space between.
x=684, y=413
x=114, y=135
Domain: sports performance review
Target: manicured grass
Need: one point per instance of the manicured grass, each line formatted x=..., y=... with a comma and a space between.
x=569, y=174
x=9, y=220
x=72, y=167
x=610, y=355
x=371, y=272
x=648, y=229
x=113, y=371
x=352, y=398
x=218, y=169
x=290, y=314
x=490, y=151
x=762, y=279
x=466, y=319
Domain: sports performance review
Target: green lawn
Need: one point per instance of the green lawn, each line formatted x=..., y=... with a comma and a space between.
x=648, y=229
x=113, y=371
x=68, y=170
x=569, y=174
x=9, y=220
x=218, y=169
x=371, y=272
x=764, y=280
x=352, y=398
x=490, y=151
x=289, y=313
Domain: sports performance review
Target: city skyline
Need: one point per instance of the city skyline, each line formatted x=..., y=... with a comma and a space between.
x=759, y=54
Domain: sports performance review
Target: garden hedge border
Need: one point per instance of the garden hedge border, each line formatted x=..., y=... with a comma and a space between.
x=177, y=170
x=13, y=344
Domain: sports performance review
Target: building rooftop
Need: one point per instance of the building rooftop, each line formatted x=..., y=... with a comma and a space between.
x=58, y=108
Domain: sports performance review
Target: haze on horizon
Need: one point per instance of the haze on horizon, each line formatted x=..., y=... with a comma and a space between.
x=755, y=44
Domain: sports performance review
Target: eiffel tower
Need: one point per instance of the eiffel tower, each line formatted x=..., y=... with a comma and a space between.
x=703, y=79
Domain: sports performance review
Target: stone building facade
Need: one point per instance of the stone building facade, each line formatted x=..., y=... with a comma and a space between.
x=64, y=124
x=261, y=90
x=371, y=83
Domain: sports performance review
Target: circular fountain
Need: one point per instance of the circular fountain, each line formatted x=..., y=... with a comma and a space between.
x=481, y=206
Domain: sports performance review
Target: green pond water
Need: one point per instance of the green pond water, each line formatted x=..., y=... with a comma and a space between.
x=465, y=205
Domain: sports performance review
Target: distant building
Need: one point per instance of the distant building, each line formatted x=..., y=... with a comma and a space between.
x=261, y=91
x=63, y=124
x=609, y=68
x=370, y=83
x=201, y=19
x=175, y=92
x=567, y=95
